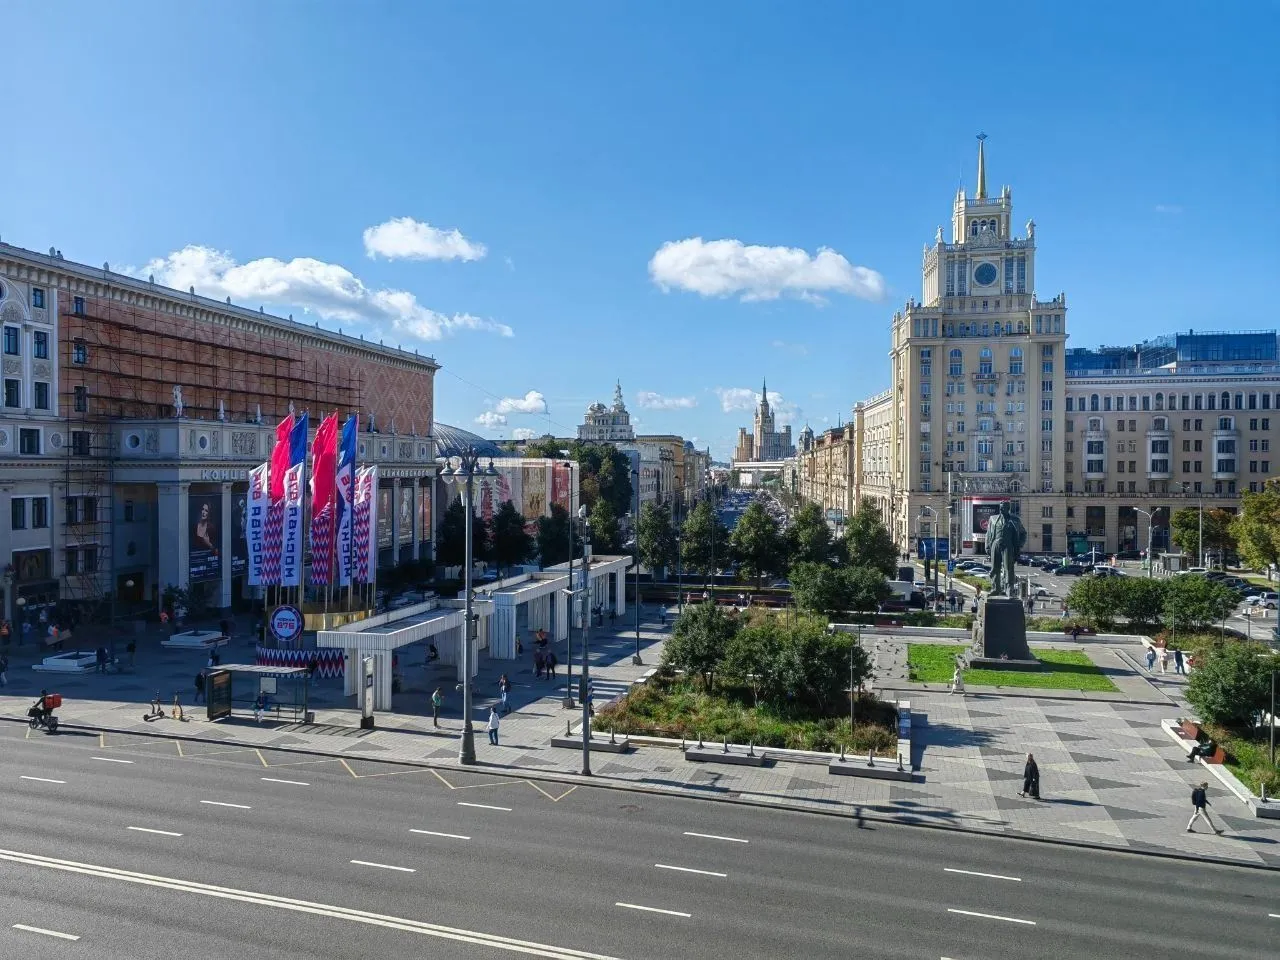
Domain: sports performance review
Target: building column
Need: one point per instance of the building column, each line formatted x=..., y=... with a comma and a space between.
x=226, y=546
x=396, y=520
x=417, y=520
x=562, y=616
x=502, y=636
x=448, y=645
x=619, y=592
x=350, y=671
x=381, y=680
x=174, y=533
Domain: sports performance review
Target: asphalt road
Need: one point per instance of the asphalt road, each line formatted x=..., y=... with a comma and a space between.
x=220, y=853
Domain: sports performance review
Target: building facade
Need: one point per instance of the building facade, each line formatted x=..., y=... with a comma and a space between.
x=607, y=424
x=133, y=412
x=764, y=442
x=826, y=468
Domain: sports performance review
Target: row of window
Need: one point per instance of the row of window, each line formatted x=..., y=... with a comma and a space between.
x=1171, y=401
x=13, y=394
x=32, y=513
x=13, y=343
x=1220, y=487
x=1226, y=464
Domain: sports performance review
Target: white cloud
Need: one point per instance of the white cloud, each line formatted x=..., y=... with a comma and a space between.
x=329, y=290
x=725, y=268
x=491, y=421
x=649, y=400
x=799, y=349
x=531, y=402
x=404, y=238
x=523, y=433
x=1168, y=208
x=741, y=398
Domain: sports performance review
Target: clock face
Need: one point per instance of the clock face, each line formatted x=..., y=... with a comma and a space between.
x=985, y=275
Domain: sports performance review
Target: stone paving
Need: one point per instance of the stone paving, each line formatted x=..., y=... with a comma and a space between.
x=1109, y=775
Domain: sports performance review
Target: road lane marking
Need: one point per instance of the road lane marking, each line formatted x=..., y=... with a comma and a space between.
x=1275, y=915
x=433, y=833
x=705, y=873
x=293, y=783
x=163, y=833
x=219, y=803
x=712, y=836
x=304, y=907
x=47, y=933
x=111, y=759
x=991, y=916
x=483, y=806
x=975, y=873
x=41, y=779
x=383, y=866
x=636, y=906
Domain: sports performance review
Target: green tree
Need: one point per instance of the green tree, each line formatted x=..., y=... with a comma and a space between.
x=1231, y=684
x=604, y=528
x=1141, y=599
x=547, y=447
x=1257, y=528
x=655, y=537
x=699, y=640
x=1192, y=602
x=1218, y=534
x=757, y=544
x=820, y=588
x=450, y=547
x=605, y=473
x=1096, y=599
x=813, y=666
x=751, y=660
x=553, y=537
x=868, y=541
x=868, y=587
x=809, y=537
x=511, y=544
x=702, y=539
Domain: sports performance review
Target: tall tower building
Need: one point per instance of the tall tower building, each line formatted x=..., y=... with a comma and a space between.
x=766, y=443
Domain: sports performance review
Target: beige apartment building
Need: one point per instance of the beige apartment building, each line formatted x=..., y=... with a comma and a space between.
x=826, y=467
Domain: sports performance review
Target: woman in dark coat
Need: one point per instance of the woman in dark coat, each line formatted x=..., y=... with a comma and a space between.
x=1030, y=779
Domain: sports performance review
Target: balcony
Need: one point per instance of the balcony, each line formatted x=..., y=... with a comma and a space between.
x=1225, y=469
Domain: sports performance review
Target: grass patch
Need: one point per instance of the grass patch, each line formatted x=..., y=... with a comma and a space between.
x=981, y=583
x=680, y=707
x=1062, y=670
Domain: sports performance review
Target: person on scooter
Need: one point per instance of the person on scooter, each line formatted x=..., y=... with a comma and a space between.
x=40, y=710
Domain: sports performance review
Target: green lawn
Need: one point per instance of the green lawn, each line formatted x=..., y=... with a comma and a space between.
x=1063, y=670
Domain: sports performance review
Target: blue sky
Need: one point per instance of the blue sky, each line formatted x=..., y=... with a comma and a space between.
x=266, y=149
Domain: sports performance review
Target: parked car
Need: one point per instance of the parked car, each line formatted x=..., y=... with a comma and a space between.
x=1105, y=571
x=1068, y=570
x=1268, y=598
x=1129, y=555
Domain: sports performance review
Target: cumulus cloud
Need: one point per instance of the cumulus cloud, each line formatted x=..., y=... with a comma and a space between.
x=491, y=421
x=734, y=399
x=726, y=268
x=1168, y=208
x=531, y=402
x=523, y=433
x=649, y=400
x=404, y=238
x=329, y=290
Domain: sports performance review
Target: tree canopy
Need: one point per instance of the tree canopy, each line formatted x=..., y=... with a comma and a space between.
x=1193, y=603
x=1257, y=528
x=868, y=540
x=450, y=547
x=604, y=528
x=698, y=642
x=823, y=589
x=757, y=544
x=1218, y=535
x=511, y=543
x=1231, y=684
x=655, y=537
x=809, y=537
x=553, y=537
x=703, y=538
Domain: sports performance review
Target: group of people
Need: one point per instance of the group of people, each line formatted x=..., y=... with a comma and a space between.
x=53, y=630
x=1162, y=654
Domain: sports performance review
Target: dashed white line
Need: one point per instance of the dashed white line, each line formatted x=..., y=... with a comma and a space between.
x=433, y=833
x=636, y=906
x=163, y=833
x=1275, y=916
x=975, y=873
x=111, y=759
x=220, y=803
x=383, y=866
x=47, y=933
x=991, y=916
x=41, y=779
x=483, y=806
x=713, y=836
x=292, y=783
x=705, y=873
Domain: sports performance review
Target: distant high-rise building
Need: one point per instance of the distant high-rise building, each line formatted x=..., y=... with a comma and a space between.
x=765, y=442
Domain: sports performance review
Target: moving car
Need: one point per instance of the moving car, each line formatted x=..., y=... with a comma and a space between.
x=1068, y=570
x=1270, y=599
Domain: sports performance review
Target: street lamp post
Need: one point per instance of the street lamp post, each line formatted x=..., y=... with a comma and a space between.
x=933, y=536
x=584, y=692
x=464, y=475
x=570, y=604
x=1151, y=525
x=635, y=562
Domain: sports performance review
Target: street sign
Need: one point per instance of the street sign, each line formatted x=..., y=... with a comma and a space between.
x=286, y=623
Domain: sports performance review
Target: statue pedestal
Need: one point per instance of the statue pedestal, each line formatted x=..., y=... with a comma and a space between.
x=1000, y=631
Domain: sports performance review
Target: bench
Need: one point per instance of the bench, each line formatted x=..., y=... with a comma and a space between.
x=1188, y=736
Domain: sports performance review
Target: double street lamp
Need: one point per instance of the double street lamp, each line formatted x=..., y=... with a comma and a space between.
x=462, y=477
x=1151, y=526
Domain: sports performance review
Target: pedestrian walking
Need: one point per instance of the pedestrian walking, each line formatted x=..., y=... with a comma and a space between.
x=957, y=680
x=504, y=688
x=200, y=677
x=4, y=670
x=1178, y=665
x=100, y=658
x=591, y=698
x=6, y=633
x=437, y=700
x=538, y=662
x=1030, y=779
x=493, y=726
x=1200, y=807
x=259, y=707
x=1164, y=659
x=551, y=665
x=131, y=648
x=26, y=632
x=1151, y=659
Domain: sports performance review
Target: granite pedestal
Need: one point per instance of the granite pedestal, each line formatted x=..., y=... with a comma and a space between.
x=1000, y=632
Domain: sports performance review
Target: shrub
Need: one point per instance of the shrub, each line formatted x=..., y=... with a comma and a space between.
x=1231, y=684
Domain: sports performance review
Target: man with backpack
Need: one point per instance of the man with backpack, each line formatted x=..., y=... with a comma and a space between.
x=1200, y=807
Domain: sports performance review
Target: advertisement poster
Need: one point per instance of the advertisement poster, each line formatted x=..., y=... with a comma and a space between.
x=561, y=478
x=424, y=511
x=204, y=516
x=535, y=492
x=239, y=533
x=257, y=507
x=385, y=517
x=404, y=515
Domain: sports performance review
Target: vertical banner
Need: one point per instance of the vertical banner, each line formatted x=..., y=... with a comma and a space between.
x=259, y=505
x=382, y=516
x=404, y=515
x=240, y=534
x=346, y=497
x=561, y=478
x=324, y=482
x=364, y=521
x=291, y=535
x=204, y=513
x=534, y=505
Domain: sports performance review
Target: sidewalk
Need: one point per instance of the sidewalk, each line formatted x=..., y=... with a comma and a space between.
x=1109, y=775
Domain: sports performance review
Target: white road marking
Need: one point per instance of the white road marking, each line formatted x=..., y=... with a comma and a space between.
x=219, y=803
x=383, y=866
x=705, y=873
x=712, y=836
x=1275, y=915
x=292, y=783
x=483, y=806
x=991, y=916
x=636, y=906
x=307, y=907
x=41, y=779
x=975, y=873
x=163, y=833
x=433, y=833
x=111, y=759
x=47, y=933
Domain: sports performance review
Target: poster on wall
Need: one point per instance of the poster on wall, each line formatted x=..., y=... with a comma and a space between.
x=239, y=533
x=404, y=515
x=561, y=478
x=385, y=517
x=534, y=480
x=204, y=516
x=424, y=512
x=493, y=492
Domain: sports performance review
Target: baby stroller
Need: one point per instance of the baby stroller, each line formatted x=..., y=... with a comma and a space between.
x=41, y=712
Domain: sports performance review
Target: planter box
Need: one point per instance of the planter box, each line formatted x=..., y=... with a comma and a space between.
x=884, y=769
x=598, y=744
x=736, y=755
x=1269, y=810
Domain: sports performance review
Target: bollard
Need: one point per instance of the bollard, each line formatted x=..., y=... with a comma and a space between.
x=900, y=763
x=726, y=744
x=751, y=748
x=871, y=760
x=842, y=753
x=699, y=741
x=568, y=728
x=1262, y=793
x=611, y=740
x=682, y=744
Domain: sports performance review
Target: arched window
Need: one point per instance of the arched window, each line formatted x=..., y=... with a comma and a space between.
x=997, y=326
x=1070, y=404
x=955, y=367
x=984, y=361
x=1093, y=402
x=1159, y=401
x=1226, y=400
x=973, y=228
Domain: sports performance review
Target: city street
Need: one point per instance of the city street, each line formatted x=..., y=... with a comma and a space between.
x=137, y=851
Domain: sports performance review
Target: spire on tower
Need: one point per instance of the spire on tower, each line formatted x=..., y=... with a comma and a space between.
x=982, y=170
x=764, y=391
x=618, y=405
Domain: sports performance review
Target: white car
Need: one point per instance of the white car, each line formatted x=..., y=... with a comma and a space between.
x=1270, y=600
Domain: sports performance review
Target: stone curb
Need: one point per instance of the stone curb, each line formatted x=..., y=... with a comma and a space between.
x=630, y=787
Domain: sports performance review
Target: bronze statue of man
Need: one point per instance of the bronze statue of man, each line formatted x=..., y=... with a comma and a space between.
x=1005, y=539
